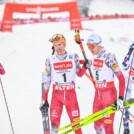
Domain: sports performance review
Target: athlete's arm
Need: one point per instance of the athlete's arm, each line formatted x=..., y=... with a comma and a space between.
x=112, y=63
x=79, y=70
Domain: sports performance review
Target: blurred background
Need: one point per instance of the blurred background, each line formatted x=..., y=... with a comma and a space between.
x=23, y=51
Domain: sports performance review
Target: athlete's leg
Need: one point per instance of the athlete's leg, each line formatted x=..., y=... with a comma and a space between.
x=72, y=108
x=108, y=97
x=97, y=107
x=55, y=113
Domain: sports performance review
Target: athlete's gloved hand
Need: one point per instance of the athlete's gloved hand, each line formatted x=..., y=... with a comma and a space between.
x=87, y=64
x=119, y=103
x=131, y=47
x=77, y=37
x=44, y=105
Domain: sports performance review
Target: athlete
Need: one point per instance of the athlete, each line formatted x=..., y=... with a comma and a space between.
x=128, y=68
x=61, y=69
x=104, y=67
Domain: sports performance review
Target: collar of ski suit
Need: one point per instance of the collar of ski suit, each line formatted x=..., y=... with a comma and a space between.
x=103, y=50
x=60, y=57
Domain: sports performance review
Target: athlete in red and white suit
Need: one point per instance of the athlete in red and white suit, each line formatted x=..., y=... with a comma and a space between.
x=105, y=67
x=61, y=69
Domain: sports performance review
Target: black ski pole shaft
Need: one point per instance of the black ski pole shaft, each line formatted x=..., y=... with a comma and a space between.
x=7, y=106
x=126, y=92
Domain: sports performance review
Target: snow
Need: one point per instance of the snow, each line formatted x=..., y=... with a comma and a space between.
x=112, y=7
x=23, y=53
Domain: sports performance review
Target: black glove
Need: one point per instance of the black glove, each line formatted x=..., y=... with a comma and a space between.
x=131, y=47
x=44, y=105
x=119, y=102
x=86, y=64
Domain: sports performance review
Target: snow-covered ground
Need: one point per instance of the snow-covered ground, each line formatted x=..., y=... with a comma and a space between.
x=23, y=53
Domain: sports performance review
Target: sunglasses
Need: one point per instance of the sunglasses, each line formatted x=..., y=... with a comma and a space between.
x=91, y=46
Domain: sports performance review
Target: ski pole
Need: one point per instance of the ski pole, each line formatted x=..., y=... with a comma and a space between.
x=77, y=33
x=79, y=41
x=127, y=119
x=126, y=92
x=129, y=113
x=6, y=106
x=88, y=76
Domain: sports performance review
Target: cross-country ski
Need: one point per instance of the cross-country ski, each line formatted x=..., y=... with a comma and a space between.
x=94, y=117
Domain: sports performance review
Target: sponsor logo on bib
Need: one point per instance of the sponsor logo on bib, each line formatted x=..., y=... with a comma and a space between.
x=63, y=65
x=98, y=63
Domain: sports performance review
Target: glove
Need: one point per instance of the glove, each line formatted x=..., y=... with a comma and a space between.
x=77, y=37
x=131, y=47
x=44, y=105
x=119, y=103
x=86, y=64
x=124, y=64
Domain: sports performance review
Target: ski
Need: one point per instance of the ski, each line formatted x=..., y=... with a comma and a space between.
x=45, y=113
x=45, y=119
x=94, y=117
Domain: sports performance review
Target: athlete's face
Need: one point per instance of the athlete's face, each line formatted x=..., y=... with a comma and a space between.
x=94, y=49
x=59, y=48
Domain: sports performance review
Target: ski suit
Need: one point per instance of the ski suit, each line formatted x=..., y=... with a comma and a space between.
x=105, y=66
x=128, y=68
x=60, y=72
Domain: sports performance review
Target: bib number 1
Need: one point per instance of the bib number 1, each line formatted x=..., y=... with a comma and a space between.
x=64, y=77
